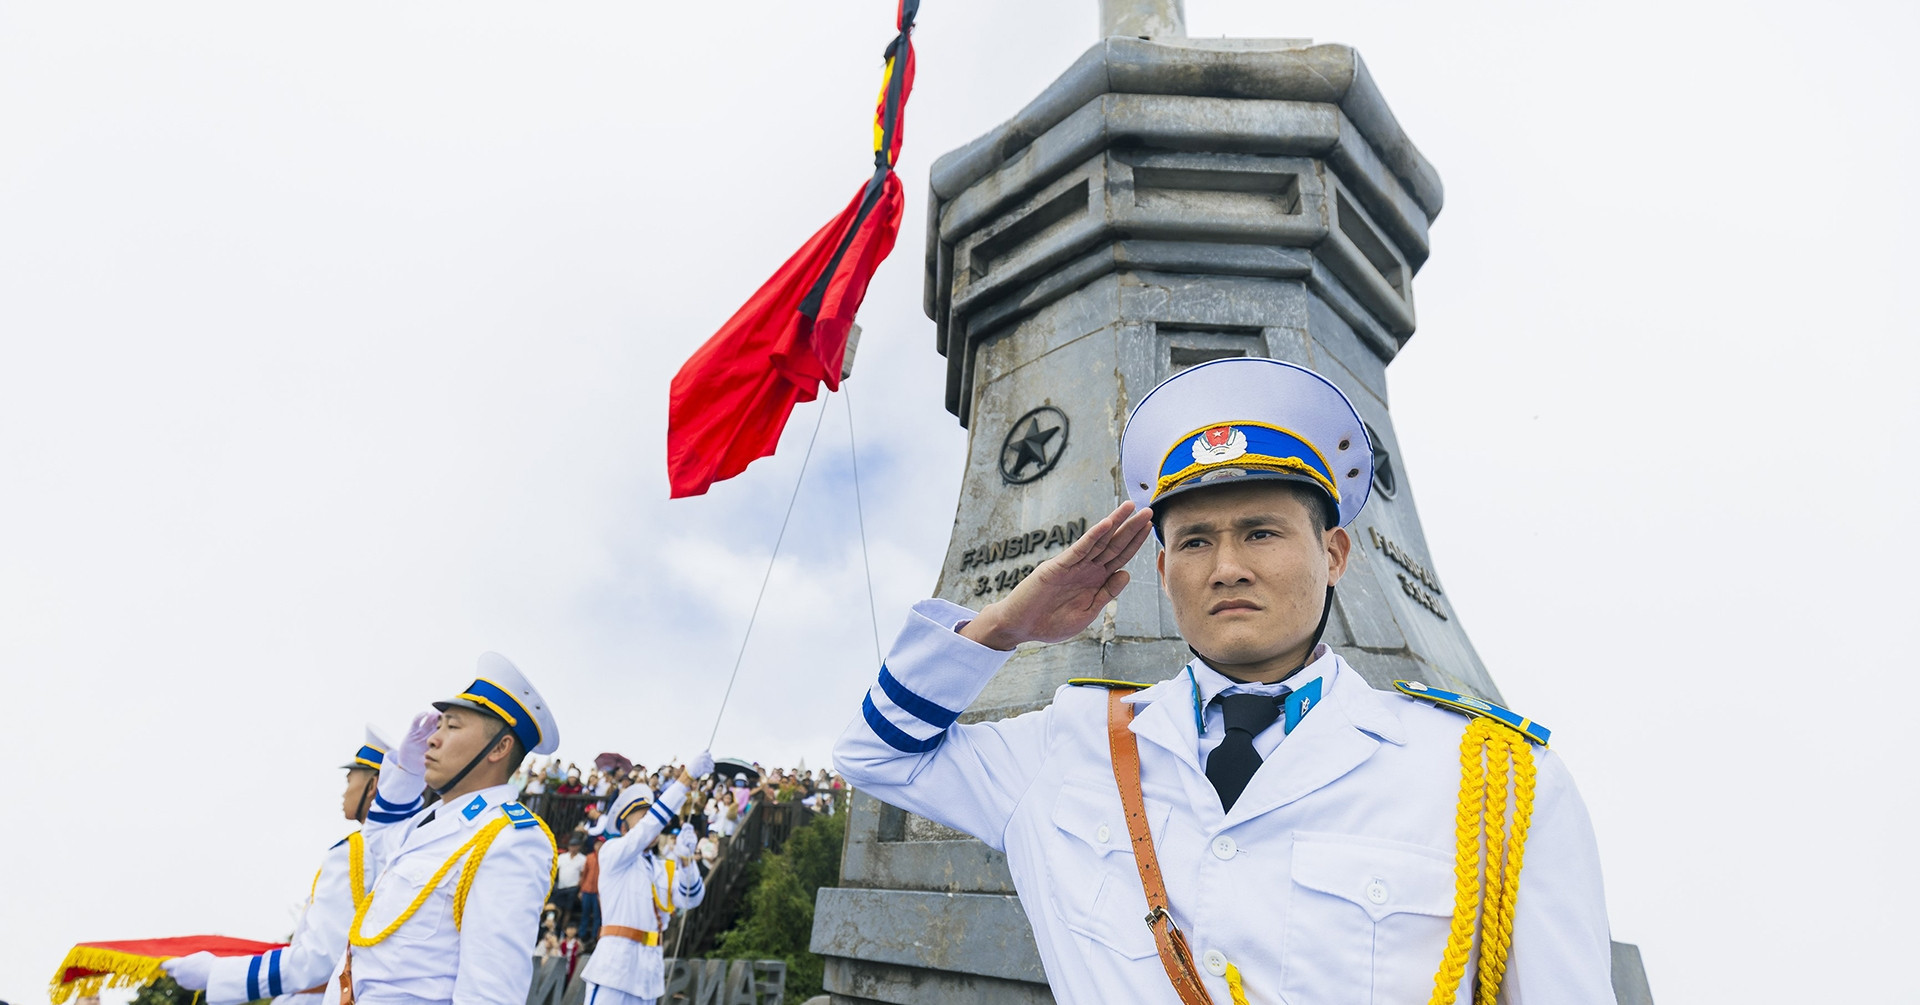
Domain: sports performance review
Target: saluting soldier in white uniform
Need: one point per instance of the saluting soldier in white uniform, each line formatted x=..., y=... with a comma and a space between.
x=1287, y=832
x=296, y=973
x=455, y=913
x=639, y=891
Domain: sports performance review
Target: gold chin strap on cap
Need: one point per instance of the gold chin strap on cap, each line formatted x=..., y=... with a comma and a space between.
x=1496, y=777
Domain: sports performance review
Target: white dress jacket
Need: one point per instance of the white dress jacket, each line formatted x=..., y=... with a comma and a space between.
x=1330, y=881
x=488, y=958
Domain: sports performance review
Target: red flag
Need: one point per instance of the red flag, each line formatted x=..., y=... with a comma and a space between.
x=136, y=962
x=732, y=397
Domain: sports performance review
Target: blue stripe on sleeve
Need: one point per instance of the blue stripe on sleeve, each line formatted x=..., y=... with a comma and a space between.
x=273, y=974
x=388, y=818
x=895, y=737
x=937, y=716
x=253, y=978
x=662, y=815
x=394, y=807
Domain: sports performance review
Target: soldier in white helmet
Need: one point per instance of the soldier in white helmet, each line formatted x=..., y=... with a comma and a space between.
x=455, y=913
x=1262, y=825
x=641, y=886
x=297, y=973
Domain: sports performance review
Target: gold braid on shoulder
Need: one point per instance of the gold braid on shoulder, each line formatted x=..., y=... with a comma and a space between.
x=1496, y=778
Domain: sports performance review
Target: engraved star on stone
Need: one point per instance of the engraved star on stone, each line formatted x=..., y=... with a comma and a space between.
x=1031, y=447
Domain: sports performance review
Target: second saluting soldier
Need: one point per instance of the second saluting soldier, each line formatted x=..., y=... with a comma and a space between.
x=1263, y=825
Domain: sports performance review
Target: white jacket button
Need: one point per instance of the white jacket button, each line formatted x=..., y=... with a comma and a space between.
x=1223, y=847
x=1101, y=834
x=1216, y=962
x=1377, y=892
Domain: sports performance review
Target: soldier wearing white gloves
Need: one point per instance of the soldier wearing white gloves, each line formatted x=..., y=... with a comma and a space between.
x=640, y=890
x=455, y=912
x=296, y=973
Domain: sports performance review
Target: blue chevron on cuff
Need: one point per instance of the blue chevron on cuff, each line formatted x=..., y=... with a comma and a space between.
x=895, y=737
x=393, y=807
x=935, y=715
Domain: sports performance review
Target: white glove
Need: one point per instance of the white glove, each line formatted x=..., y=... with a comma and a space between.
x=702, y=765
x=411, y=755
x=190, y=972
x=688, y=844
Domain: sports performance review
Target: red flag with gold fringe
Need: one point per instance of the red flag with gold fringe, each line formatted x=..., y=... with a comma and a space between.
x=732, y=397
x=131, y=963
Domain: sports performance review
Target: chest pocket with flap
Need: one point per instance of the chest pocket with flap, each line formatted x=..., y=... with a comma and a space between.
x=1367, y=916
x=397, y=887
x=1096, y=884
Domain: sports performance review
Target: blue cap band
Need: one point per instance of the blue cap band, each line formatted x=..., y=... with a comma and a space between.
x=507, y=707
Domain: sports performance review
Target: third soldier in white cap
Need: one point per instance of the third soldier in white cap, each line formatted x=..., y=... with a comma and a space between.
x=640, y=891
x=455, y=913
x=1261, y=825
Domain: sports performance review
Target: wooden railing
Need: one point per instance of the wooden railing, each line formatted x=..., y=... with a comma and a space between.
x=562, y=813
x=765, y=829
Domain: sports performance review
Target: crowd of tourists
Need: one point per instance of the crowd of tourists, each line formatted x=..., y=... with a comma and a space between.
x=715, y=810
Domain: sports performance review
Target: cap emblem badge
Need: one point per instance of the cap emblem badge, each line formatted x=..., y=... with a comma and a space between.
x=1219, y=445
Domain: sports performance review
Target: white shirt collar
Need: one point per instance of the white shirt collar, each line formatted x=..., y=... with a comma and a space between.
x=1212, y=683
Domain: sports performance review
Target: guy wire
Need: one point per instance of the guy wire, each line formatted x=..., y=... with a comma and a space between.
x=859, y=510
x=782, y=536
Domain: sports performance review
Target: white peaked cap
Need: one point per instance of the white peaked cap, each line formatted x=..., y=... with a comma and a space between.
x=372, y=752
x=501, y=690
x=1244, y=419
x=630, y=795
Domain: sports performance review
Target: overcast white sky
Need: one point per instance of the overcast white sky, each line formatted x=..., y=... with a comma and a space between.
x=334, y=343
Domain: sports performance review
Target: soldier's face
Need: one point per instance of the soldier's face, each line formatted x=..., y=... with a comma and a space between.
x=1247, y=572
x=459, y=739
x=357, y=781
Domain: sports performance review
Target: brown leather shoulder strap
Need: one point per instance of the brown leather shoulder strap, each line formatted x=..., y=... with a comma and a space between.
x=1172, y=943
x=346, y=979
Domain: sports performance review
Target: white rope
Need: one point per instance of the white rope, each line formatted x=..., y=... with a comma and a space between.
x=762, y=595
x=859, y=510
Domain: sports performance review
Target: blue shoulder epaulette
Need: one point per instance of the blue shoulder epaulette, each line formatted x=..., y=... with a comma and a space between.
x=1474, y=707
x=1111, y=685
x=521, y=816
x=338, y=843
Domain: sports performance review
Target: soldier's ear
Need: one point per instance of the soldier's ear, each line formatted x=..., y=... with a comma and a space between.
x=1339, y=549
x=501, y=753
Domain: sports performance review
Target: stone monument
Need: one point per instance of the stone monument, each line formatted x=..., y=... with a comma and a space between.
x=1165, y=202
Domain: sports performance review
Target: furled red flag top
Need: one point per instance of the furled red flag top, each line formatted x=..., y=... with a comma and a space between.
x=132, y=963
x=732, y=397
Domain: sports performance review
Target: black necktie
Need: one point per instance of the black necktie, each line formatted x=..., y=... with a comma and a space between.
x=1232, y=764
